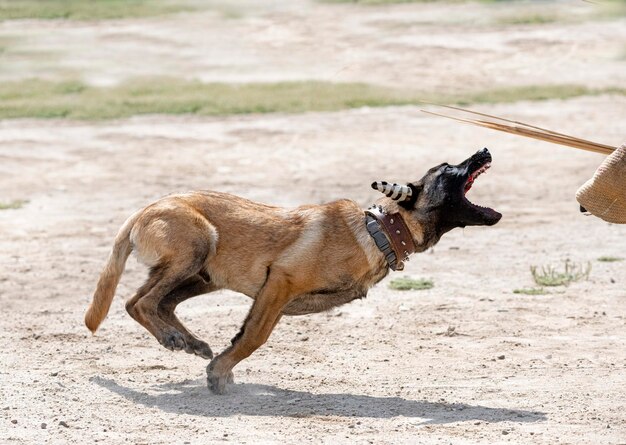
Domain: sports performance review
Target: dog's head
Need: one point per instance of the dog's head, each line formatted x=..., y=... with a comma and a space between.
x=438, y=202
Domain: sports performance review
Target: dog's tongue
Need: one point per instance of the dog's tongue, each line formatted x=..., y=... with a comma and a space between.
x=468, y=184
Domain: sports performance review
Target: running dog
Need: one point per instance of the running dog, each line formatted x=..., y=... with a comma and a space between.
x=290, y=262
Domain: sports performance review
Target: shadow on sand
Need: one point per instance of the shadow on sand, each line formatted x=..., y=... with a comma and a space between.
x=192, y=397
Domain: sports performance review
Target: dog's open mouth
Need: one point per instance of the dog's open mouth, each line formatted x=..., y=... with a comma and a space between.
x=477, y=168
x=472, y=177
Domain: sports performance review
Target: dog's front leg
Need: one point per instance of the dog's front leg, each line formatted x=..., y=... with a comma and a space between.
x=263, y=316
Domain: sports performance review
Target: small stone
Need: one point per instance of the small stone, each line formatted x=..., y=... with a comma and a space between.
x=14, y=421
x=64, y=424
x=44, y=426
x=54, y=374
x=501, y=357
x=304, y=338
x=505, y=432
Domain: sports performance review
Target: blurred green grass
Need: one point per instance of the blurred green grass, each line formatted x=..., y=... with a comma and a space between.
x=378, y=2
x=408, y=283
x=13, y=205
x=527, y=19
x=120, y=9
x=76, y=100
x=88, y=10
x=610, y=259
x=600, y=10
x=531, y=291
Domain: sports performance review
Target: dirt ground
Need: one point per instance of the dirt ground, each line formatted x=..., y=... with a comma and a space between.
x=466, y=362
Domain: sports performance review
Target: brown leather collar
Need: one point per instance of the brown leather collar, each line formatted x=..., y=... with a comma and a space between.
x=398, y=234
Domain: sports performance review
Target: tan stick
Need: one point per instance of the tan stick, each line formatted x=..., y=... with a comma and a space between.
x=494, y=117
x=526, y=130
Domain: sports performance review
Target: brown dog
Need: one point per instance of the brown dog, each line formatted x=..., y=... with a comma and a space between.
x=290, y=262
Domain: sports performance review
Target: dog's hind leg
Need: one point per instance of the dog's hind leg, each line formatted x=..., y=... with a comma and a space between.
x=153, y=278
x=190, y=288
x=176, y=245
x=163, y=280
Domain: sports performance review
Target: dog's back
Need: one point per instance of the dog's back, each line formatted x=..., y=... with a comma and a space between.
x=234, y=243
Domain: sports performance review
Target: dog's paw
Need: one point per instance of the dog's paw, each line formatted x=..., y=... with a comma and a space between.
x=174, y=341
x=201, y=349
x=217, y=381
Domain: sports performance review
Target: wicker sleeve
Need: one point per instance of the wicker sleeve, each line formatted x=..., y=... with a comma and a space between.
x=604, y=195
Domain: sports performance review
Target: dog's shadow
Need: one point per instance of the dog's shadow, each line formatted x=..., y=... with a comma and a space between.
x=192, y=397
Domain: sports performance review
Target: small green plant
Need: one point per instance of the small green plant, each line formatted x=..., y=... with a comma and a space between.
x=407, y=283
x=527, y=19
x=531, y=291
x=550, y=276
x=16, y=204
x=610, y=259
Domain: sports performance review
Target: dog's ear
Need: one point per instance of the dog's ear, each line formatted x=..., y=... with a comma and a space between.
x=404, y=194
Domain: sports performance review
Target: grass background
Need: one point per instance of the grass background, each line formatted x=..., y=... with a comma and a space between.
x=77, y=100
x=34, y=98
x=120, y=9
x=89, y=9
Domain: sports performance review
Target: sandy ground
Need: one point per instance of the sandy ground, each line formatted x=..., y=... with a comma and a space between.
x=466, y=362
x=450, y=47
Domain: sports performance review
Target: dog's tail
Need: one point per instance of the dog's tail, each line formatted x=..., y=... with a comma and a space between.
x=110, y=276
